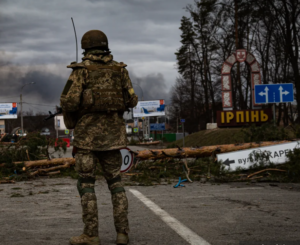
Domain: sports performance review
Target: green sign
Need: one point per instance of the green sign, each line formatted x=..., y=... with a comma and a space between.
x=67, y=131
x=135, y=130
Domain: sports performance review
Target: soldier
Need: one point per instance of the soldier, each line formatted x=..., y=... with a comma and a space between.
x=94, y=99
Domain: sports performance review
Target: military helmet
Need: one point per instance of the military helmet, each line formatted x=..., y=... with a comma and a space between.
x=94, y=39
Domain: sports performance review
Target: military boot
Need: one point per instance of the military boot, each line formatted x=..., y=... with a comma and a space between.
x=122, y=239
x=84, y=240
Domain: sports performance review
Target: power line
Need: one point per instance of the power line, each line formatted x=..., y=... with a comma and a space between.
x=8, y=97
x=37, y=108
x=38, y=104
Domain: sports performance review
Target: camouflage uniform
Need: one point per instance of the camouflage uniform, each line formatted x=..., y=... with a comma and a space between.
x=98, y=135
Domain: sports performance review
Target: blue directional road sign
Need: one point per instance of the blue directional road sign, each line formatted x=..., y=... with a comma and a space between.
x=182, y=120
x=273, y=93
x=157, y=126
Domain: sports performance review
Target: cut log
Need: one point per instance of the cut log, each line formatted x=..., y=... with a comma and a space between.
x=45, y=170
x=53, y=173
x=258, y=177
x=149, y=143
x=7, y=182
x=131, y=174
x=205, y=151
x=46, y=162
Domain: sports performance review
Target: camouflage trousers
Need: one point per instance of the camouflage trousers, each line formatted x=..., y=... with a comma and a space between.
x=110, y=162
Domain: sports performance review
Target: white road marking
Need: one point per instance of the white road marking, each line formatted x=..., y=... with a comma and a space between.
x=187, y=234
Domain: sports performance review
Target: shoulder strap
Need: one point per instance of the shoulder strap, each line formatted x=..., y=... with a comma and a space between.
x=75, y=65
x=101, y=67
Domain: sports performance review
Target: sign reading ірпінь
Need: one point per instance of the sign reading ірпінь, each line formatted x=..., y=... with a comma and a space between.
x=243, y=117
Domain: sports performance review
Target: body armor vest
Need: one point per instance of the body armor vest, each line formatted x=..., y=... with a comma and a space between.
x=104, y=89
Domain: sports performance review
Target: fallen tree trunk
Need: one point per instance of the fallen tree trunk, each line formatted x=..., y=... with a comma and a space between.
x=186, y=152
x=45, y=170
x=46, y=162
x=7, y=182
x=204, y=151
x=53, y=173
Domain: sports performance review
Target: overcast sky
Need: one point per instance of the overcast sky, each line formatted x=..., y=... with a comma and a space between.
x=37, y=43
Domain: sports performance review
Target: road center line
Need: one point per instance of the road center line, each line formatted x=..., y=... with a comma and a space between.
x=183, y=231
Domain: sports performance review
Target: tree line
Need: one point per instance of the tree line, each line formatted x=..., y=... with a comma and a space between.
x=212, y=31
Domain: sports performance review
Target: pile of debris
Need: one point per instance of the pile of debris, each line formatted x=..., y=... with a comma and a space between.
x=195, y=162
x=30, y=156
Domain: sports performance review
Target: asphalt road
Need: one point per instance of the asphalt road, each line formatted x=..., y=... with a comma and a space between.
x=48, y=212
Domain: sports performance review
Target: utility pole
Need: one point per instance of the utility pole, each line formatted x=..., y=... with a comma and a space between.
x=21, y=112
x=177, y=113
x=21, y=102
x=143, y=122
x=183, y=133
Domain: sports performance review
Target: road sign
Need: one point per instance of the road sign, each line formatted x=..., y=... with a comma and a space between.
x=127, y=159
x=67, y=131
x=157, y=126
x=273, y=93
x=135, y=130
x=277, y=154
x=182, y=120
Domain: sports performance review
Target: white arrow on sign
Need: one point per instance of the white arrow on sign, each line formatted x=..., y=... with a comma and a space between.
x=265, y=94
x=281, y=93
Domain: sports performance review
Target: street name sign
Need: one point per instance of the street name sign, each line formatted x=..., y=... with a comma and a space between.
x=240, y=159
x=273, y=93
x=127, y=159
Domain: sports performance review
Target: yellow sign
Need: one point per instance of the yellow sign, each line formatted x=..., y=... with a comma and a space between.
x=238, y=118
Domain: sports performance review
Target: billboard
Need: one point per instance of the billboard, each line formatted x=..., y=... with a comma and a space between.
x=8, y=110
x=149, y=108
x=59, y=123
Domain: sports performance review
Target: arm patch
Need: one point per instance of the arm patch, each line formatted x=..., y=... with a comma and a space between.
x=67, y=87
x=131, y=91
